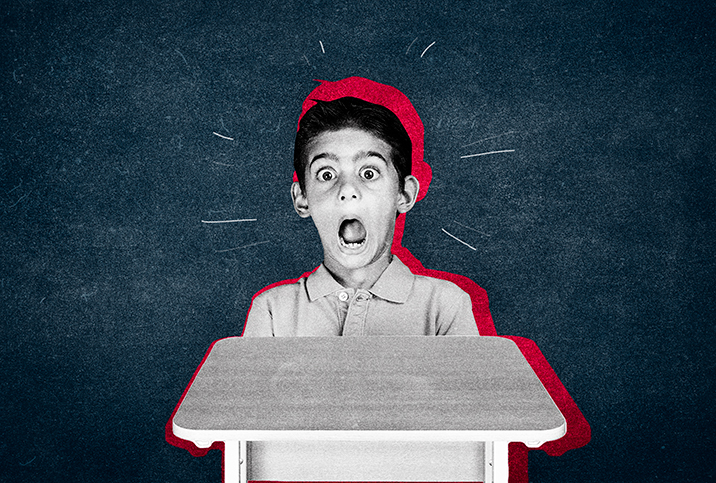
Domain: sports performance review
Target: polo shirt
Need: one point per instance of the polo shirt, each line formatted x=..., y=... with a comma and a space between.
x=399, y=303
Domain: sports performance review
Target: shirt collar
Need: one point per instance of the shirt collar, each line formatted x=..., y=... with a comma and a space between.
x=394, y=284
x=321, y=283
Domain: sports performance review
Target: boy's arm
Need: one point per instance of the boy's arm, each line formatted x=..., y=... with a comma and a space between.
x=458, y=318
x=259, y=322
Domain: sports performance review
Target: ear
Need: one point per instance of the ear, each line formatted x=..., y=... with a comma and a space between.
x=407, y=198
x=300, y=202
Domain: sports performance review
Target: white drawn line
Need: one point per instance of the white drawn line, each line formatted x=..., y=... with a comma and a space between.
x=426, y=49
x=470, y=228
x=485, y=154
x=223, y=137
x=411, y=44
x=21, y=198
x=488, y=138
x=182, y=56
x=228, y=221
x=243, y=246
x=322, y=49
x=456, y=238
x=16, y=187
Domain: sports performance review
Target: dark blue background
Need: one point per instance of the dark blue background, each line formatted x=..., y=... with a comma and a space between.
x=595, y=237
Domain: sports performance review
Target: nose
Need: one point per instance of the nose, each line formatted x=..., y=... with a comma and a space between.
x=349, y=190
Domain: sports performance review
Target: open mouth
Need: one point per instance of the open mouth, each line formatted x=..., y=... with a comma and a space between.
x=352, y=233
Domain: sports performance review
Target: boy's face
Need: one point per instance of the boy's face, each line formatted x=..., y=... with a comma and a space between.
x=353, y=196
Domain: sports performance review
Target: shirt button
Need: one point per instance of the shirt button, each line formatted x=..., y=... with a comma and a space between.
x=342, y=296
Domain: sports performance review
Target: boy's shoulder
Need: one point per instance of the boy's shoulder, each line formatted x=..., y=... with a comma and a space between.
x=285, y=288
x=439, y=286
x=399, y=283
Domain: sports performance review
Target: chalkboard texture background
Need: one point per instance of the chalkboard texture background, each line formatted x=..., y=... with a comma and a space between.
x=127, y=124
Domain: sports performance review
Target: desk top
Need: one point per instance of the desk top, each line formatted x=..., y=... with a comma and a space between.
x=448, y=388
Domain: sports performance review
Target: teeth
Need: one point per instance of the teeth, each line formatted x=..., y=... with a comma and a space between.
x=351, y=245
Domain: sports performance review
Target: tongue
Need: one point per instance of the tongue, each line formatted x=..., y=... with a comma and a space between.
x=352, y=231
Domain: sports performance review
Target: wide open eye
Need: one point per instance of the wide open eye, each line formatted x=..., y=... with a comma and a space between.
x=369, y=173
x=325, y=174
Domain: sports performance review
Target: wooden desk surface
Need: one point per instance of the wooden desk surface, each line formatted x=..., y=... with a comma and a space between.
x=361, y=388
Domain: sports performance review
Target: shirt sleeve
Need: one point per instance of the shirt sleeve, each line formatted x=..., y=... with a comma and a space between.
x=259, y=322
x=458, y=319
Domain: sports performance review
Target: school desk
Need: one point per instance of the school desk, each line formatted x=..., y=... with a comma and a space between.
x=366, y=408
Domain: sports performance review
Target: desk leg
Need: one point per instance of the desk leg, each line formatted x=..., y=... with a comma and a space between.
x=497, y=467
x=488, y=462
x=235, y=462
x=501, y=468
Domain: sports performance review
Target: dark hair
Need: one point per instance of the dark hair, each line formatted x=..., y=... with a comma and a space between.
x=351, y=112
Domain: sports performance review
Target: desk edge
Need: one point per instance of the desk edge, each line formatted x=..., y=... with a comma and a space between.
x=206, y=437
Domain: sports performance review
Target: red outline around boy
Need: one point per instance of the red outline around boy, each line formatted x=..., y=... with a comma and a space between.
x=578, y=430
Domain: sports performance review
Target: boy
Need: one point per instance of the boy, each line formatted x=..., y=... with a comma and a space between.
x=353, y=161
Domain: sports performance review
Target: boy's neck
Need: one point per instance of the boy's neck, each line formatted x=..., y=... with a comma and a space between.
x=364, y=277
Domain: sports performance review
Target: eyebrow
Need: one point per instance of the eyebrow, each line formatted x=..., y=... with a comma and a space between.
x=330, y=156
x=359, y=155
